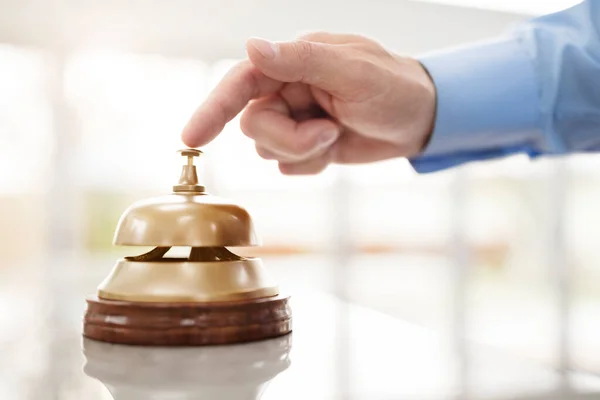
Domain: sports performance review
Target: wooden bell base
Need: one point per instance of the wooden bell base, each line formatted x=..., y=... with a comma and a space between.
x=186, y=324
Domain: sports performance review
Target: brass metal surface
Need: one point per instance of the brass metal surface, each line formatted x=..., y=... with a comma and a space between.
x=188, y=217
x=181, y=280
x=193, y=218
x=188, y=181
x=185, y=220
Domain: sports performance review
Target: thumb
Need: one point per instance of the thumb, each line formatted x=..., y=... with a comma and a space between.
x=313, y=63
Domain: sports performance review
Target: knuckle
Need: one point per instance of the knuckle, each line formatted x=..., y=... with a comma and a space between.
x=264, y=153
x=306, y=58
x=221, y=111
x=240, y=66
x=286, y=169
x=367, y=68
x=319, y=169
x=303, y=50
x=247, y=122
x=306, y=168
x=341, y=155
x=301, y=147
x=367, y=80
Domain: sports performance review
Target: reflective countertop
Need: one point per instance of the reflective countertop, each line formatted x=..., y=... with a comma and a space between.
x=338, y=350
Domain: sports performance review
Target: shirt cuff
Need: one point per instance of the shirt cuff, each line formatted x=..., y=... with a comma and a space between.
x=487, y=104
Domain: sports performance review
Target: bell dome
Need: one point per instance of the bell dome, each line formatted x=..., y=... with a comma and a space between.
x=187, y=217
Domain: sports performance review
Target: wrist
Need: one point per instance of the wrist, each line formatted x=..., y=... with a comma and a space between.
x=426, y=98
x=431, y=108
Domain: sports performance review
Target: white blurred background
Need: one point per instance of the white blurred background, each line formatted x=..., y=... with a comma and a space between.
x=93, y=96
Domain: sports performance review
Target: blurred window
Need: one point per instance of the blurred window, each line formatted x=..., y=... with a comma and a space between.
x=533, y=7
x=131, y=110
x=25, y=123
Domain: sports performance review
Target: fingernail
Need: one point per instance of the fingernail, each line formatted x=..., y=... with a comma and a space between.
x=328, y=137
x=265, y=48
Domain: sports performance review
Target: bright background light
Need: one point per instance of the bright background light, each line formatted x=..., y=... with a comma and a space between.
x=514, y=6
x=92, y=101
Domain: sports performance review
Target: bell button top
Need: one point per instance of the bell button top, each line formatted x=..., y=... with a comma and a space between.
x=189, y=216
x=188, y=182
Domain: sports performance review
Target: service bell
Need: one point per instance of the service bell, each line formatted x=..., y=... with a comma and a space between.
x=212, y=296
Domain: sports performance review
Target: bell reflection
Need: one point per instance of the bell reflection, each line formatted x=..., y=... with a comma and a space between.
x=240, y=372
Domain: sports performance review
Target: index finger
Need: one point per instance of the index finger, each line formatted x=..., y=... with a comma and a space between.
x=231, y=95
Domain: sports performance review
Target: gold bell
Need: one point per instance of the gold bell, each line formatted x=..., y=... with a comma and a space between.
x=212, y=296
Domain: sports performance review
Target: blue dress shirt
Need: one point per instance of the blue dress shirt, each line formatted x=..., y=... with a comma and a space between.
x=535, y=91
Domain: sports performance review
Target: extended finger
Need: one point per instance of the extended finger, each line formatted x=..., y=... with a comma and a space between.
x=240, y=85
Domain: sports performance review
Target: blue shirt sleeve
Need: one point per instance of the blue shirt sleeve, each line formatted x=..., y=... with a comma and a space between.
x=535, y=91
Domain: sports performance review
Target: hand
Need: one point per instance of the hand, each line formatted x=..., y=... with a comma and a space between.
x=322, y=99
